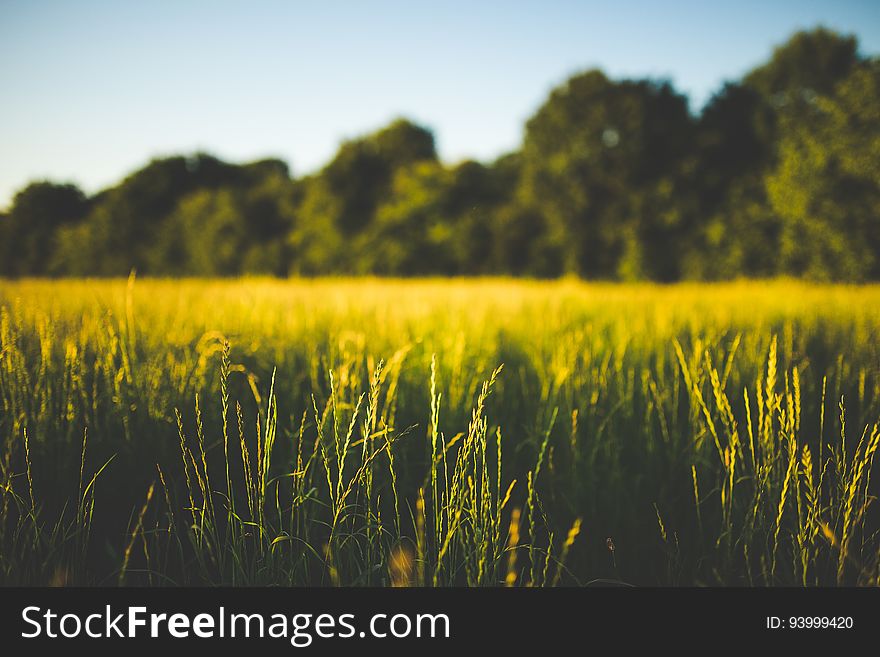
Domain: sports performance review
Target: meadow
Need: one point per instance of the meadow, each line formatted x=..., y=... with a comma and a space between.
x=365, y=432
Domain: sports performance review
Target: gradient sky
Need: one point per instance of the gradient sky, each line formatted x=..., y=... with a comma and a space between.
x=92, y=89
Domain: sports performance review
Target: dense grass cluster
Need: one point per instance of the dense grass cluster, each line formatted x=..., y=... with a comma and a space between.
x=437, y=433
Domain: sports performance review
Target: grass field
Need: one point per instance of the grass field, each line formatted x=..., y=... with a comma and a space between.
x=490, y=432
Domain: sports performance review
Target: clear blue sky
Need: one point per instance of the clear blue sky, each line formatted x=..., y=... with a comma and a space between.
x=92, y=89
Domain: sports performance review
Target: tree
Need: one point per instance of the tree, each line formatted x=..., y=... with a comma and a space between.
x=732, y=139
x=268, y=211
x=411, y=234
x=229, y=230
x=740, y=142
x=340, y=202
x=359, y=178
x=436, y=220
x=810, y=62
x=129, y=226
x=737, y=232
x=29, y=232
x=596, y=158
x=472, y=199
x=826, y=186
x=525, y=245
x=315, y=242
x=615, y=179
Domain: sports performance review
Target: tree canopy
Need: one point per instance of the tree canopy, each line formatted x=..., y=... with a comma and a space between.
x=779, y=174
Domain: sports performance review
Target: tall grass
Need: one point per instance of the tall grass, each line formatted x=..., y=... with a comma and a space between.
x=438, y=433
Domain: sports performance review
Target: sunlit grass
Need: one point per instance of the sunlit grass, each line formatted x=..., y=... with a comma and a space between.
x=436, y=432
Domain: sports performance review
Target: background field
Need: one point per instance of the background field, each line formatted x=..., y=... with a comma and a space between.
x=357, y=432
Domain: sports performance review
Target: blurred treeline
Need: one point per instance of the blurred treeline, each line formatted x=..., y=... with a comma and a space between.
x=616, y=179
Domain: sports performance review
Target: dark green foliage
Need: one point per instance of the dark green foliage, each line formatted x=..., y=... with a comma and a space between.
x=826, y=185
x=39, y=212
x=437, y=220
x=360, y=176
x=810, y=61
x=616, y=179
x=598, y=159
